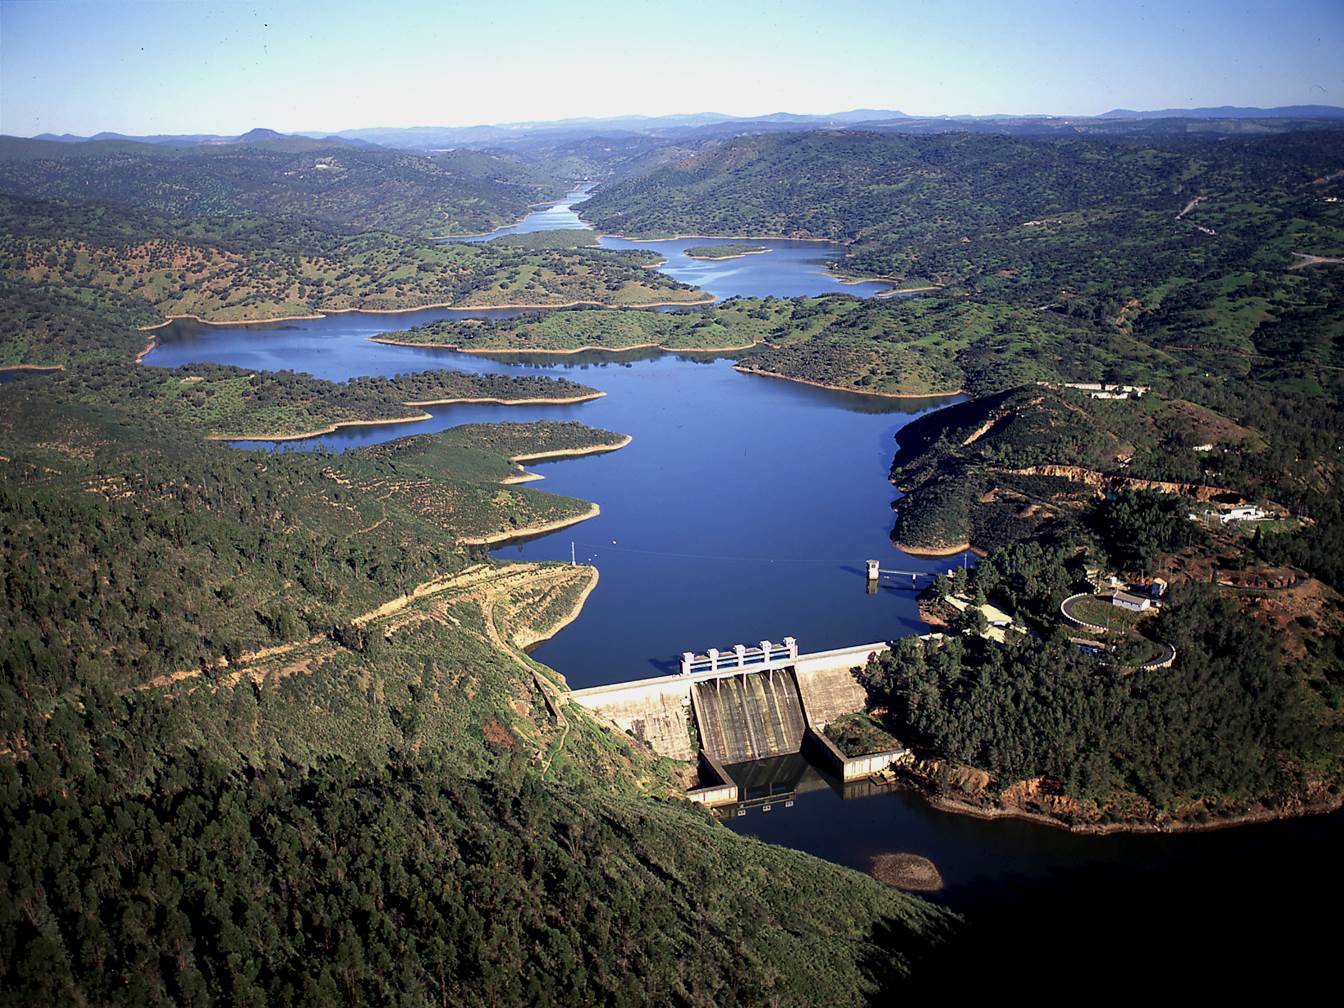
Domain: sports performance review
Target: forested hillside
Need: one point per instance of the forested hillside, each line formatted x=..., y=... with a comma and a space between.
x=226, y=673
x=354, y=186
x=224, y=402
x=1089, y=223
x=234, y=268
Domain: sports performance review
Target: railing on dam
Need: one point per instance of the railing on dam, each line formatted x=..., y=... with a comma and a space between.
x=740, y=658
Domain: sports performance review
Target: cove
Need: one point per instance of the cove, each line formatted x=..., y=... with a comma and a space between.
x=789, y=269
x=743, y=509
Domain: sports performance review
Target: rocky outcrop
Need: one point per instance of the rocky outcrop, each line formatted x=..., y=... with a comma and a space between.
x=1109, y=481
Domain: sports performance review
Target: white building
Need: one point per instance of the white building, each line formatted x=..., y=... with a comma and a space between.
x=1134, y=603
x=1248, y=512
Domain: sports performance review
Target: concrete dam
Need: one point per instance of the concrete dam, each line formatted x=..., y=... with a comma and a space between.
x=732, y=709
x=750, y=716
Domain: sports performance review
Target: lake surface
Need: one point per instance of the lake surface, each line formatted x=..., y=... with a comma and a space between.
x=789, y=269
x=744, y=508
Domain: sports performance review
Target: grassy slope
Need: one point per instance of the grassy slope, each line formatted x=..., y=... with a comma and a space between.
x=229, y=269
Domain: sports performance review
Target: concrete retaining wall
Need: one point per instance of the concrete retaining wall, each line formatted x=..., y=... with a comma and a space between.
x=654, y=711
x=827, y=685
x=716, y=788
x=849, y=768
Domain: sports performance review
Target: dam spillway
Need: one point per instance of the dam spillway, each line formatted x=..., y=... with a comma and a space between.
x=750, y=716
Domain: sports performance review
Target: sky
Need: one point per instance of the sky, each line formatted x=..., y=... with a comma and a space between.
x=180, y=67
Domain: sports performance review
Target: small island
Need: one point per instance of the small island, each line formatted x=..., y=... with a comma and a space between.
x=728, y=250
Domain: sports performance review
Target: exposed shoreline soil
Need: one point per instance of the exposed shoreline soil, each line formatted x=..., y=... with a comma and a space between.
x=493, y=400
x=564, y=351
x=498, y=538
x=935, y=551
x=724, y=258
x=562, y=453
x=532, y=638
x=990, y=811
x=329, y=429
x=841, y=388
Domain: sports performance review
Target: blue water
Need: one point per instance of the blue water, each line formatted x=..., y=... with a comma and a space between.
x=789, y=269
x=557, y=216
x=744, y=508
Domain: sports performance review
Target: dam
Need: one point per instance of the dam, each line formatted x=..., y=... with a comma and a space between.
x=743, y=705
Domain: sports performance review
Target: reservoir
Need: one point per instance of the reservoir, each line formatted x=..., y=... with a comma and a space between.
x=743, y=509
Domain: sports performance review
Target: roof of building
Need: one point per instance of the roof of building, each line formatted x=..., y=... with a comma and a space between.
x=1125, y=598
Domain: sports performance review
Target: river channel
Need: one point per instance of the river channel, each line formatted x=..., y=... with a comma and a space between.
x=743, y=509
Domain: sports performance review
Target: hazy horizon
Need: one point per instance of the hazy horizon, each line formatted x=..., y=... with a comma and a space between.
x=125, y=68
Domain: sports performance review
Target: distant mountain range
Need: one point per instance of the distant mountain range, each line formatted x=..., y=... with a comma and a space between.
x=1232, y=112
x=189, y=139
x=710, y=125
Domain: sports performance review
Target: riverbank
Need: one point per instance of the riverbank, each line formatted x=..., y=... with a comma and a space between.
x=490, y=351
x=329, y=429
x=498, y=538
x=746, y=369
x=531, y=638
x=990, y=809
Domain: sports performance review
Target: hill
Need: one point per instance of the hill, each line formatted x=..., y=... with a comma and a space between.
x=1083, y=222
x=63, y=258
x=341, y=183
x=219, y=667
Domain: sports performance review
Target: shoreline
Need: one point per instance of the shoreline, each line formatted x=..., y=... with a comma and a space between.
x=744, y=237
x=704, y=298
x=561, y=453
x=499, y=538
x=558, y=352
x=539, y=637
x=903, y=290
x=336, y=425
x=543, y=205
x=841, y=388
x=931, y=551
x=724, y=258
x=955, y=806
x=329, y=429
x=493, y=400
